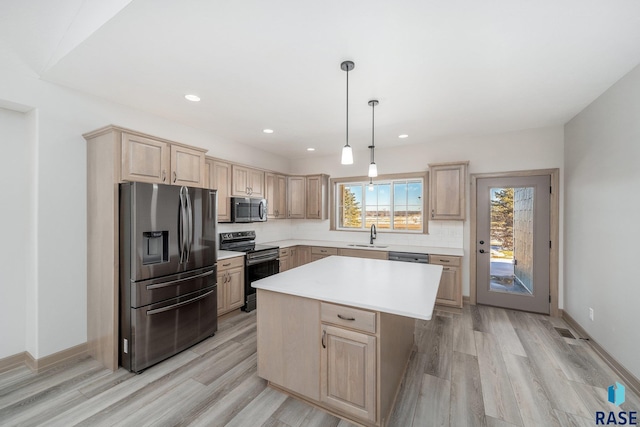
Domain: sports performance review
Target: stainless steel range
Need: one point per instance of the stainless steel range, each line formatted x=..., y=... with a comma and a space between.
x=260, y=261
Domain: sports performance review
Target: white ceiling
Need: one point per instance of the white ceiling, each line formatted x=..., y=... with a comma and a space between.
x=439, y=68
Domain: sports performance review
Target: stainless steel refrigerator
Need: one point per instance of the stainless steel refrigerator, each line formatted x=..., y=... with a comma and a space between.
x=168, y=295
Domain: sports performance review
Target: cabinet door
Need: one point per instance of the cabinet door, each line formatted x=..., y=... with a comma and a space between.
x=447, y=183
x=247, y=182
x=450, y=292
x=296, y=197
x=222, y=286
x=220, y=179
x=316, y=197
x=303, y=255
x=144, y=159
x=276, y=195
x=348, y=372
x=256, y=182
x=236, y=288
x=187, y=166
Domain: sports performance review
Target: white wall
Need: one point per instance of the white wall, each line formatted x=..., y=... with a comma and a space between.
x=54, y=219
x=521, y=150
x=602, y=173
x=15, y=247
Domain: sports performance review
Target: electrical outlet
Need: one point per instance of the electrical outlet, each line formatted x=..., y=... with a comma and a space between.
x=591, y=314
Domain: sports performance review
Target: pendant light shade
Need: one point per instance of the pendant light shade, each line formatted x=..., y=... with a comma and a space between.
x=347, y=152
x=373, y=168
x=347, y=155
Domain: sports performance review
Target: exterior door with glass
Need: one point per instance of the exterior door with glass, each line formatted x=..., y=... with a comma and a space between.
x=513, y=220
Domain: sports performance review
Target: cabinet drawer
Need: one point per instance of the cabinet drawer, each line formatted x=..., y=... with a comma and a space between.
x=285, y=252
x=444, y=260
x=349, y=317
x=228, y=263
x=322, y=250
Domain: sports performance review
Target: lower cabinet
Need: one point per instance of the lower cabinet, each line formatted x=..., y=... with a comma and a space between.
x=230, y=284
x=348, y=372
x=363, y=253
x=285, y=256
x=319, y=252
x=302, y=255
x=346, y=360
x=450, y=290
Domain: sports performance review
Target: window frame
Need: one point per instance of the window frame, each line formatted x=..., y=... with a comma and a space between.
x=333, y=205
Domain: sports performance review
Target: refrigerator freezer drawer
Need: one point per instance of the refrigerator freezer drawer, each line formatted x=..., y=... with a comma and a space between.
x=159, y=331
x=155, y=290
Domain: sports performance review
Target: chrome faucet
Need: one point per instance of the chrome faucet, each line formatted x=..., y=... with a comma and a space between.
x=374, y=233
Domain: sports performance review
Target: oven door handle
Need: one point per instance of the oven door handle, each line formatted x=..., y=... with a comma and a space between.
x=255, y=261
x=178, y=305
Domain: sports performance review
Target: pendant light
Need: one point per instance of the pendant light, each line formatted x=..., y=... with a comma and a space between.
x=347, y=153
x=373, y=169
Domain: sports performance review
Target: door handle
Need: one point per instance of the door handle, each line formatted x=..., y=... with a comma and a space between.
x=175, y=176
x=324, y=334
x=189, y=224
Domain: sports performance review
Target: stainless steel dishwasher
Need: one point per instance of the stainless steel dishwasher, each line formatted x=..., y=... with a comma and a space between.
x=409, y=257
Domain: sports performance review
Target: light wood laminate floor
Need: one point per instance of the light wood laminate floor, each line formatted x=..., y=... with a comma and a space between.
x=482, y=367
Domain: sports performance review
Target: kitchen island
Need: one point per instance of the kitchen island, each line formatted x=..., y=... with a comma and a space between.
x=338, y=332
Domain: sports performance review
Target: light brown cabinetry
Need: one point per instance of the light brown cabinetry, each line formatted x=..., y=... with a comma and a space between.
x=450, y=290
x=348, y=372
x=230, y=284
x=344, y=359
x=286, y=258
x=319, y=252
x=145, y=159
x=317, y=200
x=276, y=195
x=302, y=255
x=363, y=253
x=447, y=185
x=247, y=182
x=296, y=197
x=220, y=179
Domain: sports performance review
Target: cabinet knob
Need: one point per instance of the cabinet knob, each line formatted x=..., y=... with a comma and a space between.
x=481, y=251
x=482, y=242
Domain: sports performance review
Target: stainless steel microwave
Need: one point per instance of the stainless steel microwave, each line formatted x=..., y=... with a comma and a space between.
x=248, y=209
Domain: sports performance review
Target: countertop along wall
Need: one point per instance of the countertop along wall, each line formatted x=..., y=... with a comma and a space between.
x=602, y=149
x=522, y=150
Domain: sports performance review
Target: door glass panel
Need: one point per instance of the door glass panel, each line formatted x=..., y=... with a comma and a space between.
x=511, y=233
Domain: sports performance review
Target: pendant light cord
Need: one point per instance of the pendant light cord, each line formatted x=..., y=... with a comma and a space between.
x=373, y=129
x=347, y=106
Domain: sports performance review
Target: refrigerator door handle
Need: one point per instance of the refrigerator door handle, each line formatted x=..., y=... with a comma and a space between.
x=178, y=305
x=189, y=239
x=183, y=237
x=173, y=282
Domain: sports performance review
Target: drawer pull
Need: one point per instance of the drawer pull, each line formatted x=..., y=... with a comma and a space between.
x=446, y=269
x=345, y=317
x=226, y=265
x=444, y=260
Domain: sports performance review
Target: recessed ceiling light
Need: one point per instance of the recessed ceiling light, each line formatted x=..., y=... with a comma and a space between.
x=192, y=98
x=311, y=149
x=403, y=136
x=267, y=130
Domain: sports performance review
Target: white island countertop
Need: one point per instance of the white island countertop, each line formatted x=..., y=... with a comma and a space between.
x=402, y=288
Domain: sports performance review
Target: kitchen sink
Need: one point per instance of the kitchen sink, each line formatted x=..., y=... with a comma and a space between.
x=366, y=246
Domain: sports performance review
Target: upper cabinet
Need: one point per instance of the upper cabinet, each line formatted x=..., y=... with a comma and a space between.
x=317, y=200
x=220, y=179
x=296, y=197
x=156, y=161
x=276, y=192
x=247, y=182
x=448, y=184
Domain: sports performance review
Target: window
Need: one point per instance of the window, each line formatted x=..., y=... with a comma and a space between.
x=391, y=204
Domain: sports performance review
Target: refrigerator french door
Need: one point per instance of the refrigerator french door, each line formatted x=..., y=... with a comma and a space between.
x=168, y=296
